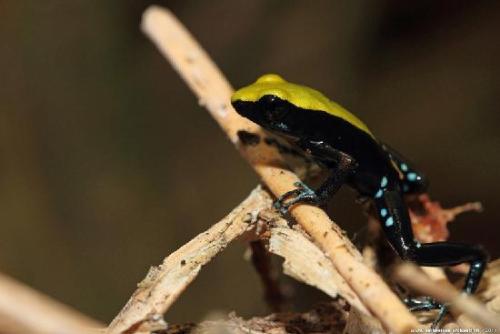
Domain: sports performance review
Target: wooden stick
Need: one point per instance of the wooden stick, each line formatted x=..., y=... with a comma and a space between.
x=414, y=278
x=213, y=92
x=24, y=310
x=164, y=284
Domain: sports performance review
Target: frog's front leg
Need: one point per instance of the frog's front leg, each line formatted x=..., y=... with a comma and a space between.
x=342, y=166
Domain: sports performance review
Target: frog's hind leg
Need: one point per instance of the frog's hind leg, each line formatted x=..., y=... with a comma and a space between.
x=393, y=214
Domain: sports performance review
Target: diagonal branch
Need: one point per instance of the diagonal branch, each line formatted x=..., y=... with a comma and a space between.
x=213, y=92
x=165, y=283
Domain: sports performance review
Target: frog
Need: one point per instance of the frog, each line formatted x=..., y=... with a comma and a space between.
x=344, y=145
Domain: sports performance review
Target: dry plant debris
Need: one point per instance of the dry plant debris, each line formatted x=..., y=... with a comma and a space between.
x=163, y=284
x=326, y=318
x=336, y=316
x=430, y=220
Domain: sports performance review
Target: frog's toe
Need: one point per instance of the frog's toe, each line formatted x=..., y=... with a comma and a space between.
x=421, y=304
x=443, y=310
x=302, y=194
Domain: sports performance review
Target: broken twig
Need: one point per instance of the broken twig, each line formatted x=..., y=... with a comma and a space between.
x=163, y=284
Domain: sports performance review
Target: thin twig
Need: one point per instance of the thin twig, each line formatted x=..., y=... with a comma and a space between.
x=24, y=310
x=414, y=278
x=164, y=284
x=213, y=92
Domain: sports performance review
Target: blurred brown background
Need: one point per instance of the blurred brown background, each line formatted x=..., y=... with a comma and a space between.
x=108, y=163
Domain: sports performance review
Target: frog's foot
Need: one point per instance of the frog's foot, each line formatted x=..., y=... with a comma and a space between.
x=303, y=194
x=421, y=304
x=427, y=304
x=443, y=310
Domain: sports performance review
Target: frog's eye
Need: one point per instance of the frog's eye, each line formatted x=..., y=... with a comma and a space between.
x=269, y=100
x=274, y=108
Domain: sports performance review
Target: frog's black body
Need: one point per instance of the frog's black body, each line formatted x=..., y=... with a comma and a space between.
x=307, y=126
x=344, y=145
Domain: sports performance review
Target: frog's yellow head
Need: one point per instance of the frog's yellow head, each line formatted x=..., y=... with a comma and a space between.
x=274, y=85
x=273, y=103
x=266, y=103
